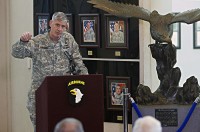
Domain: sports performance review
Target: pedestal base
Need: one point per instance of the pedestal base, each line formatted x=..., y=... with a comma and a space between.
x=171, y=116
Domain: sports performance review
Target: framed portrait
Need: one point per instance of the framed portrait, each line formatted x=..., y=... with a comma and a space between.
x=176, y=37
x=42, y=22
x=116, y=32
x=89, y=30
x=115, y=87
x=69, y=23
x=196, y=31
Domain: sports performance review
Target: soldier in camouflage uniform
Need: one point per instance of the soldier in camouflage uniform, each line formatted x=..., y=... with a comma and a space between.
x=52, y=54
x=117, y=36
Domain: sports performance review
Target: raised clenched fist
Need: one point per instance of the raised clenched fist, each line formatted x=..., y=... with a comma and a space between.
x=25, y=37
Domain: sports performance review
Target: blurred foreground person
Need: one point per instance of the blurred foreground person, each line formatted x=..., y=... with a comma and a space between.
x=69, y=125
x=147, y=124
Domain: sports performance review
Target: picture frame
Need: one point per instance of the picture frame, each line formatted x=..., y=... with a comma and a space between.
x=42, y=23
x=176, y=37
x=116, y=32
x=89, y=30
x=196, y=35
x=114, y=92
x=70, y=22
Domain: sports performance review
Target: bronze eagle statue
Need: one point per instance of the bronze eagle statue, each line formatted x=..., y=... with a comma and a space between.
x=160, y=25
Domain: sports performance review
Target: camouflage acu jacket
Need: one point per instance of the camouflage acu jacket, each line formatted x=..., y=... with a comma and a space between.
x=49, y=59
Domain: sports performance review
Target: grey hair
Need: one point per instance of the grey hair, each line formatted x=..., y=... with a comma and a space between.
x=59, y=16
x=147, y=124
x=59, y=125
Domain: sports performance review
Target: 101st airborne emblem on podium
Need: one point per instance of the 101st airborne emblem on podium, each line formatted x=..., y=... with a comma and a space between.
x=75, y=91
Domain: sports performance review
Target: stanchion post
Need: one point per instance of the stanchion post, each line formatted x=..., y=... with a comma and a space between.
x=125, y=109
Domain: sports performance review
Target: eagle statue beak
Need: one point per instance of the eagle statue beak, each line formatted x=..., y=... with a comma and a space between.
x=73, y=92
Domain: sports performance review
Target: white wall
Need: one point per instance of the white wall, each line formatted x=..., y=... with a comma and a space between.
x=21, y=19
x=145, y=54
x=187, y=57
x=5, y=105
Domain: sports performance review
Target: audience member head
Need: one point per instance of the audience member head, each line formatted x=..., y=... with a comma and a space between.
x=147, y=124
x=69, y=125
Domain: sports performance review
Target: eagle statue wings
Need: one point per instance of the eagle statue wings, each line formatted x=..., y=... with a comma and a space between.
x=160, y=25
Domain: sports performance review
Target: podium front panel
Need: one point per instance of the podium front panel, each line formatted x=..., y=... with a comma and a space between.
x=54, y=102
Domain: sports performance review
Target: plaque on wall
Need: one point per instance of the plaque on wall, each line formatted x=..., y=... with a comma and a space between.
x=167, y=117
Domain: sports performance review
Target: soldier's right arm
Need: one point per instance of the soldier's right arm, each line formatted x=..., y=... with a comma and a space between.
x=21, y=48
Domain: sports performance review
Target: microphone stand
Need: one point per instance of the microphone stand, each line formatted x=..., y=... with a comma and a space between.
x=71, y=64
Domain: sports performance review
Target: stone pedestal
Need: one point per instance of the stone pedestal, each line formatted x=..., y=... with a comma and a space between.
x=171, y=116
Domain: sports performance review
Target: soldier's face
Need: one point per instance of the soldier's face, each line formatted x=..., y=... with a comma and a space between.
x=118, y=90
x=88, y=25
x=43, y=25
x=57, y=28
x=116, y=26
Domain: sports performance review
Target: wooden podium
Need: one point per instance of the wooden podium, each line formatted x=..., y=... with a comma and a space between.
x=54, y=102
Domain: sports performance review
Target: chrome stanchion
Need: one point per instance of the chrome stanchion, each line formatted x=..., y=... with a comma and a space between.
x=125, y=109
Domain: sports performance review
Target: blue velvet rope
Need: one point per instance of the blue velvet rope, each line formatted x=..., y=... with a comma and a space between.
x=134, y=105
x=136, y=109
x=187, y=117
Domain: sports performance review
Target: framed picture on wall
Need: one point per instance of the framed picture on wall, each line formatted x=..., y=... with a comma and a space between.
x=70, y=23
x=89, y=30
x=42, y=22
x=196, y=34
x=116, y=32
x=176, y=37
x=115, y=86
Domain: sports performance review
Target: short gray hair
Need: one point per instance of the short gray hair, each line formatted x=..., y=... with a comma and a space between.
x=147, y=124
x=59, y=16
x=59, y=125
